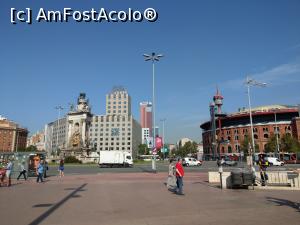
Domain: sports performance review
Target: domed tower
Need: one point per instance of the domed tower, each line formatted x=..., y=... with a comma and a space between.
x=218, y=100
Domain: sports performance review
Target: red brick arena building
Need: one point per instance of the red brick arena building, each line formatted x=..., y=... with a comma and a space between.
x=231, y=130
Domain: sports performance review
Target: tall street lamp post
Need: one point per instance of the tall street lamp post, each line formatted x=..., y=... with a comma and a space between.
x=276, y=133
x=153, y=57
x=59, y=108
x=17, y=139
x=252, y=82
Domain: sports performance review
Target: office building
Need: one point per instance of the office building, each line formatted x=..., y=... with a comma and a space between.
x=117, y=130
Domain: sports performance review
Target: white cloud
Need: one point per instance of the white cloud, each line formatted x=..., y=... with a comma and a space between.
x=294, y=47
x=279, y=75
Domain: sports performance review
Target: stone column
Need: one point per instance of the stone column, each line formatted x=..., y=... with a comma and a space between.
x=69, y=132
x=83, y=133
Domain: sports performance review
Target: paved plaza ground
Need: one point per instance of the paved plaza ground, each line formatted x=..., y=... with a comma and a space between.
x=141, y=199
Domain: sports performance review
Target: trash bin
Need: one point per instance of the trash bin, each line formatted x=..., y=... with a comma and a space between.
x=248, y=178
x=236, y=178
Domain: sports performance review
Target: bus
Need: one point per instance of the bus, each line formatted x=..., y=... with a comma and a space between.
x=290, y=158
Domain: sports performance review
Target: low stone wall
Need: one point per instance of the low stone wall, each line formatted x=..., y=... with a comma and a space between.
x=280, y=178
x=214, y=177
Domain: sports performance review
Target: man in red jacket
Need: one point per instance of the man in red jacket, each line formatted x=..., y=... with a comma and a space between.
x=179, y=176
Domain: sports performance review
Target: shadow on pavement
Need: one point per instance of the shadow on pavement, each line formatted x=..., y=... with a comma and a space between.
x=42, y=205
x=206, y=183
x=145, y=169
x=42, y=217
x=284, y=202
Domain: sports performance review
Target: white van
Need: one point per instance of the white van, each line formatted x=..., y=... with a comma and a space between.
x=274, y=161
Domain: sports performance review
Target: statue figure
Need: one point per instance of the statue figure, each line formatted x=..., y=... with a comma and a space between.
x=82, y=103
x=75, y=139
x=72, y=107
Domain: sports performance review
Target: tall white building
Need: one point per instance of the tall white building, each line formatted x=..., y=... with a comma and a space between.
x=145, y=135
x=118, y=102
x=56, y=135
x=117, y=130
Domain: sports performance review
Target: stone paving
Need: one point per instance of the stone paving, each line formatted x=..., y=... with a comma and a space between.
x=141, y=199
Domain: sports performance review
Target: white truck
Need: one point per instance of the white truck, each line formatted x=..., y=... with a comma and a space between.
x=115, y=158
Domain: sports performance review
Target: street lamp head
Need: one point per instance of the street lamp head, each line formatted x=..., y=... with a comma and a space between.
x=147, y=57
x=59, y=107
x=157, y=57
x=252, y=82
x=264, y=84
x=153, y=57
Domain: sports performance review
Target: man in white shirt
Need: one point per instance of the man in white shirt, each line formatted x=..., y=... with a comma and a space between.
x=8, y=168
x=22, y=171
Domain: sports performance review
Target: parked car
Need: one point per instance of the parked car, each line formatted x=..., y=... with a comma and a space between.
x=191, y=162
x=274, y=161
x=227, y=161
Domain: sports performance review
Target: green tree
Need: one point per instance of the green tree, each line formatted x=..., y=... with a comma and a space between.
x=180, y=152
x=58, y=151
x=246, y=143
x=289, y=144
x=143, y=149
x=188, y=148
x=30, y=148
x=271, y=145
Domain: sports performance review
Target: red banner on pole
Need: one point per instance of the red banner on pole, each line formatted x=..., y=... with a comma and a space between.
x=159, y=143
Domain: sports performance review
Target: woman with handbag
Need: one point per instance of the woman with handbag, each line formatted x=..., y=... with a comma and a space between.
x=171, y=180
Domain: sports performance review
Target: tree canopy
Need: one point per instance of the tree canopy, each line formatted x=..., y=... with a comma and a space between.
x=271, y=146
x=188, y=148
x=143, y=149
x=289, y=144
x=286, y=144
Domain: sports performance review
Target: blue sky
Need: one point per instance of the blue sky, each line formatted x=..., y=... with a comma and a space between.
x=205, y=43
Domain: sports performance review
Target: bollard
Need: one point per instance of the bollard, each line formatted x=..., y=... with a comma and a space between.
x=221, y=172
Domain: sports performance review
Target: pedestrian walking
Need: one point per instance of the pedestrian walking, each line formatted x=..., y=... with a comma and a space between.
x=61, y=168
x=171, y=180
x=8, y=168
x=263, y=164
x=40, y=171
x=22, y=171
x=179, y=176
